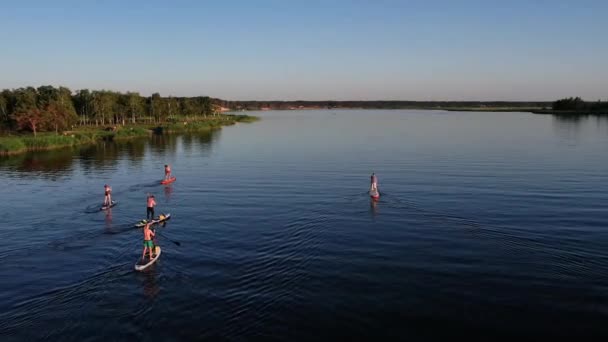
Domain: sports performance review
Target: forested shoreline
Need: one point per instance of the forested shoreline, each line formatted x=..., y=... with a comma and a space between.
x=50, y=117
x=56, y=109
x=49, y=108
x=576, y=106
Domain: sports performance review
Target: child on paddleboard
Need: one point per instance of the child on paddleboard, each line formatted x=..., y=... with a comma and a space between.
x=107, y=200
x=150, y=208
x=167, y=171
x=148, y=243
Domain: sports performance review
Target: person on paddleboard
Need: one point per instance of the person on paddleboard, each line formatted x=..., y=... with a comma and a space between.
x=148, y=242
x=167, y=172
x=150, y=207
x=374, y=182
x=107, y=200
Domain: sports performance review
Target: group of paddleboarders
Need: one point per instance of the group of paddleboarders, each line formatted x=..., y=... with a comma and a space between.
x=149, y=245
x=149, y=234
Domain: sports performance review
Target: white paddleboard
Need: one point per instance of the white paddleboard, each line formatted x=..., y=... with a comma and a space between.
x=104, y=207
x=142, y=264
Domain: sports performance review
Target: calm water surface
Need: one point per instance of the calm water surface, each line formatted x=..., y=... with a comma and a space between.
x=489, y=224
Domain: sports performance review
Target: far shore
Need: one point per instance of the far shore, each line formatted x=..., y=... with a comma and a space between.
x=527, y=110
x=534, y=110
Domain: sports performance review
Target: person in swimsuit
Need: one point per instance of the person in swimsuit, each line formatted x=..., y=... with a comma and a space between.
x=107, y=200
x=148, y=242
x=150, y=208
x=374, y=181
x=167, y=171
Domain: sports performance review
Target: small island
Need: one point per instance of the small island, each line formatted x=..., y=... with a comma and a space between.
x=576, y=106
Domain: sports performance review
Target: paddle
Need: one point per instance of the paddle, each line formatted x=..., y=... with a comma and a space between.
x=175, y=242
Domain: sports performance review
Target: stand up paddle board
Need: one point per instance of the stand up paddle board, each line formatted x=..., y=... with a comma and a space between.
x=167, y=181
x=161, y=218
x=142, y=264
x=104, y=207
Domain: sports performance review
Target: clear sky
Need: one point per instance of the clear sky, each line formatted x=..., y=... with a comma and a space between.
x=311, y=50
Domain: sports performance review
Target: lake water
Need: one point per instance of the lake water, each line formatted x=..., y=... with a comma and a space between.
x=489, y=224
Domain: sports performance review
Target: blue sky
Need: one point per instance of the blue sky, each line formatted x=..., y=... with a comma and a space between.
x=311, y=50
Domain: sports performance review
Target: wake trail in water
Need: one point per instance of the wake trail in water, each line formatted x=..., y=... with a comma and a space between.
x=571, y=259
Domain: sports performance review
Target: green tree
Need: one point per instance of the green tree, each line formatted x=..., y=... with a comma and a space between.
x=4, y=107
x=156, y=107
x=83, y=103
x=134, y=104
x=103, y=106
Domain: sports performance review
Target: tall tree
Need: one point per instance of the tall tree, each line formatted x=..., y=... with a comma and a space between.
x=83, y=103
x=156, y=106
x=136, y=105
x=4, y=113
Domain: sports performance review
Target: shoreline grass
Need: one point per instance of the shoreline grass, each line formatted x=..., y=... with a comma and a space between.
x=16, y=144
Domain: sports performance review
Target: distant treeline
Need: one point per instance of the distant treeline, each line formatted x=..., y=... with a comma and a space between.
x=285, y=105
x=48, y=108
x=577, y=105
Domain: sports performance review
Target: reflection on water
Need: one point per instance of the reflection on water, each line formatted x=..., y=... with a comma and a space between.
x=168, y=191
x=162, y=144
x=571, y=128
x=103, y=155
x=568, y=127
x=149, y=282
x=108, y=219
x=373, y=204
x=49, y=165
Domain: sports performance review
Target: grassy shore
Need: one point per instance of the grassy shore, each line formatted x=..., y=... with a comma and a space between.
x=15, y=144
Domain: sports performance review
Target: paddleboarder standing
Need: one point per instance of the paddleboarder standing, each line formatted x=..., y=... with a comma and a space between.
x=167, y=172
x=374, y=182
x=107, y=200
x=150, y=207
x=148, y=243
